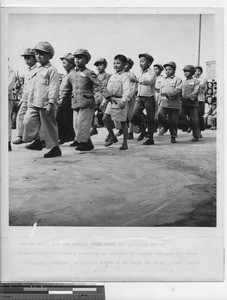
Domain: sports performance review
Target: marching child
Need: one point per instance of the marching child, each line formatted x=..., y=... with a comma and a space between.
x=145, y=99
x=118, y=86
x=101, y=65
x=44, y=107
x=189, y=96
x=30, y=60
x=81, y=82
x=65, y=112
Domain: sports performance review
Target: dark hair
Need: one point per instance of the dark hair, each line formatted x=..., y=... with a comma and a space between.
x=122, y=58
x=200, y=68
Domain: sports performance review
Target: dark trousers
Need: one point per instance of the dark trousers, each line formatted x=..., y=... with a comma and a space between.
x=201, y=114
x=65, y=121
x=137, y=118
x=193, y=113
x=168, y=118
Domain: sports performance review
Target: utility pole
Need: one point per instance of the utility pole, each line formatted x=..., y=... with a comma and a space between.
x=199, y=46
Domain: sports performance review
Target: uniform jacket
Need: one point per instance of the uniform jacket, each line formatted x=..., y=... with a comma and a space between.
x=202, y=89
x=158, y=83
x=103, y=77
x=46, y=86
x=133, y=86
x=29, y=77
x=119, y=86
x=189, y=92
x=146, y=85
x=81, y=83
x=170, y=86
x=63, y=86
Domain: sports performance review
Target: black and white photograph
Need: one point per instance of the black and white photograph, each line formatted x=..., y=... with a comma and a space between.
x=92, y=147
x=113, y=143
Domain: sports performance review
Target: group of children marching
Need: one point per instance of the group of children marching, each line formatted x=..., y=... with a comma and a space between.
x=52, y=113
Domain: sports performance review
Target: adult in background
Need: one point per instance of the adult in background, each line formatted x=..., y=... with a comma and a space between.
x=168, y=114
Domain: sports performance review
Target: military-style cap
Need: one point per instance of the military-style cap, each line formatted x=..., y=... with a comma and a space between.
x=200, y=68
x=171, y=64
x=189, y=68
x=148, y=56
x=28, y=52
x=46, y=47
x=100, y=60
x=83, y=52
x=159, y=66
x=69, y=57
x=130, y=61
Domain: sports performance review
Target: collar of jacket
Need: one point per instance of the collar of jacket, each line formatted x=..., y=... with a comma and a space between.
x=148, y=69
x=81, y=69
x=120, y=72
x=32, y=67
x=46, y=65
x=172, y=76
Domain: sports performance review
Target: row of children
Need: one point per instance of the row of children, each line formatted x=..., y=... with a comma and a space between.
x=122, y=96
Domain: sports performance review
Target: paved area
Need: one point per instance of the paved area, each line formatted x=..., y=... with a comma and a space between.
x=161, y=185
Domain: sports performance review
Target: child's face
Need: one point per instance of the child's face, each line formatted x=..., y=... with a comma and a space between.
x=118, y=65
x=198, y=72
x=29, y=60
x=80, y=61
x=209, y=100
x=188, y=74
x=157, y=70
x=127, y=67
x=100, y=67
x=144, y=63
x=42, y=57
x=66, y=64
x=169, y=71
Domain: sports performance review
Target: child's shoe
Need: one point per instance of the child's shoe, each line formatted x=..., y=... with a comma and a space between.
x=54, y=152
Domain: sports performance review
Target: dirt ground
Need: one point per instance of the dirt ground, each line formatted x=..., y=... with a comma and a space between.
x=161, y=185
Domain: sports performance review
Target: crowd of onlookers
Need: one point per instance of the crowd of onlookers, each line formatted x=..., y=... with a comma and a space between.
x=49, y=109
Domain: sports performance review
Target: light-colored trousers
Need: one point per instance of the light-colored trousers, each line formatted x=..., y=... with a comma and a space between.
x=33, y=120
x=10, y=109
x=20, y=118
x=82, y=122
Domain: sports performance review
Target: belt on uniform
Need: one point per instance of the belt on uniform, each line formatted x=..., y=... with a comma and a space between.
x=117, y=97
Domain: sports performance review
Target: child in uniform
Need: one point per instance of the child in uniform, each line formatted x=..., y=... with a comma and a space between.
x=201, y=96
x=145, y=99
x=81, y=82
x=65, y=112
x=43, y=112
x=101, y=65
x=132, y=97
x=30, y=60
x=119, y=88
x=168, y=114
x=189, y=98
